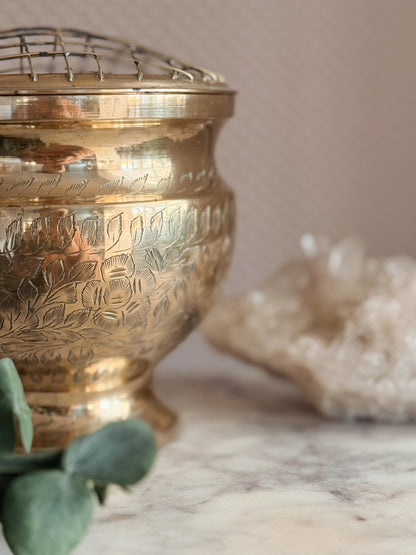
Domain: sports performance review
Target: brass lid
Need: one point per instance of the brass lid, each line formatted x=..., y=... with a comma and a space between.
x=53, y=74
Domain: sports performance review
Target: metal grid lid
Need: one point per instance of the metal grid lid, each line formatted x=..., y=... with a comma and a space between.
x=62, y=62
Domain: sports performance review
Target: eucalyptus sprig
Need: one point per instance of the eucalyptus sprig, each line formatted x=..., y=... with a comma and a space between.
x=47, y=498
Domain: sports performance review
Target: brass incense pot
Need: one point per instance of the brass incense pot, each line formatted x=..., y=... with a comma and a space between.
x=115, y=227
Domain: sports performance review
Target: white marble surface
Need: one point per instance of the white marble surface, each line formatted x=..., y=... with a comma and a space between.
x=255, y=471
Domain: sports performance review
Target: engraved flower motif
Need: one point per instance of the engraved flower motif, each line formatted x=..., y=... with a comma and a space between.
x=121, y=297
x=117, y=293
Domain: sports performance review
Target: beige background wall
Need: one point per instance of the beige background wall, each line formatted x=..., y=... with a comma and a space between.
x=324, y=136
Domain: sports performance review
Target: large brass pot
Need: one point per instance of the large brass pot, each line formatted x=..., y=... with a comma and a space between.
x=115, y=234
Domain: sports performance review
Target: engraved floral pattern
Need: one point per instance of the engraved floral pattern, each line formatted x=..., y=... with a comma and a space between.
x=122, y=296
x=65, y=298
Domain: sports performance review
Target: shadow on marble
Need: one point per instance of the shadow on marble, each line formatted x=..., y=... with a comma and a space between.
x=247, y=393
x=225, y=391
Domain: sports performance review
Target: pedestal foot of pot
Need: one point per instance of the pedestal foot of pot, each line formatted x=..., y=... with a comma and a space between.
x=60, y=417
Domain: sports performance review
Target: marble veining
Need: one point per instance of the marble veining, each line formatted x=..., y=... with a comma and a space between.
x=255, y=470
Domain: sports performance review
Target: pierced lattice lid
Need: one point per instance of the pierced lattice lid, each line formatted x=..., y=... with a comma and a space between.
x=61, y=62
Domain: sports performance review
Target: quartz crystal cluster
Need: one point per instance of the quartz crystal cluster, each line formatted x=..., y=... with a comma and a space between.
x=338, y=323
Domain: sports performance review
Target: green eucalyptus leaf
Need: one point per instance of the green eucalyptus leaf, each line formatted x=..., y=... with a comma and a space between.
x=101, y=492
x=7, y=427
x=119, y=453
x=12, y=393
x=5, y=481
x=46, y=513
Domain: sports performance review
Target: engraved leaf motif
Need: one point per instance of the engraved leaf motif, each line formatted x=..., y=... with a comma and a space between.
x=188, y=256
x=39, y=231
x=161, y=308
x=66, y=229
x=89, y=230
x=69, y=336
x=14, y=235
x=77, y=354
x=181, y=257
x=5, y=294
x=28, y=291
x=29, y=358
x=32, y=335
x=191, y=226
x=65, y=294
x=92, y=334
x=77, y=318
x=180, y=291
x=53, y=356
x=48, y=185
x=156, y=224
x=5, y=263
x=54, y=316
x=217, y=219
x=11, y=346
x=153, y=229
x=114, y=229
x=20, y=185
x=155, y=260
x=26, y=266
x=137, y=230
x=31, y=321
x=76, y=188
x=111, y=186
x=83, y=271
x=205, y=222
x=172, y=255
x=175, y=224
x=54, y=272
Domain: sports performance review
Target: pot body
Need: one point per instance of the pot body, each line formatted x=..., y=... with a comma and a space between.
x=114, y=239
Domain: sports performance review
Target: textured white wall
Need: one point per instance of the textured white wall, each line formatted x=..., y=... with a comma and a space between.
x=324, y=134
